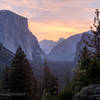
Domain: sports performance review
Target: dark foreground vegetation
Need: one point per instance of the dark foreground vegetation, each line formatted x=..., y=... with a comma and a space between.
x=20, y=83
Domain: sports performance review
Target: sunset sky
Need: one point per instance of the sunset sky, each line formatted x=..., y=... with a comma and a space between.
x=52, y=19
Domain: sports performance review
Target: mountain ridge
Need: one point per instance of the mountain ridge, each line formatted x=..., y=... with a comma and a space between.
x=14, y=32
x=66, y=50
x=48, y=45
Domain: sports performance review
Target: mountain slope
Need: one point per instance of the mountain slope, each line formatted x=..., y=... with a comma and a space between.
x=5, y=55
x=14, y=32
x=66, y=50
x=48, y=45
x=81, y=44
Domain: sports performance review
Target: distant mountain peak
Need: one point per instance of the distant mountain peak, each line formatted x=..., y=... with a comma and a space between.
x=48, y=45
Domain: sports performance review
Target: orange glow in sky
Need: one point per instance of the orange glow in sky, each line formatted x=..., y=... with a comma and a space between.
x=53, y=31
x=52, y=19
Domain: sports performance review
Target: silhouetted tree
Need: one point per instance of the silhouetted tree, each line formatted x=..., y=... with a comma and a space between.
x=50, y=83
x=67, y=92
x=95, y=41
x=81, y=71
x=21, y=79
x=88, y=70
x=6, y=79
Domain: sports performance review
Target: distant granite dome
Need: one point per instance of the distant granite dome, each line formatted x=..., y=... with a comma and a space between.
x=65, y=51
x=69, y=49
x=14, y=32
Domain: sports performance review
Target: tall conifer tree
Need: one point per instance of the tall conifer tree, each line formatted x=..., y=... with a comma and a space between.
x=21, y=79
x=95, y=41
x=88, y=71
x=50, y=83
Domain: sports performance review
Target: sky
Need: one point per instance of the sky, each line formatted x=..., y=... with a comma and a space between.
x=53, y=19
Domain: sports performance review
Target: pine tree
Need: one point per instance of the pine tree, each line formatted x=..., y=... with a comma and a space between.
x=95, y=41
x=5, y=84
x=81, y=71
x=67, y=92
x=88, y=69
x=6, y=79
x=50, y=83
x=21, y=79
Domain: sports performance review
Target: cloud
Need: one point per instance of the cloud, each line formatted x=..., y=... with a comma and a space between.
x=54, y=17
x=55, y=30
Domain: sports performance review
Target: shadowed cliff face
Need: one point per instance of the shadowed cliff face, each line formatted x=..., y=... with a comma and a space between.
x=5, y=55
x=14, y=32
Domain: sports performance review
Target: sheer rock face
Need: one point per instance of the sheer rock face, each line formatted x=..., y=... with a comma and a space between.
x=14, y=32
x=91, y=92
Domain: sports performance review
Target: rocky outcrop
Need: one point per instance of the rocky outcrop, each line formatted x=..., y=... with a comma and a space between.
x=91, y=92
x=14, y=32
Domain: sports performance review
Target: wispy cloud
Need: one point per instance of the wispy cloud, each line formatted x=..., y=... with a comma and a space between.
x=54, y=17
